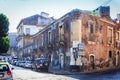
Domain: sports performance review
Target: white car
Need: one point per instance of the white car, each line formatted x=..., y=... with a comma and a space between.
x=28, y=64
x=5, y=71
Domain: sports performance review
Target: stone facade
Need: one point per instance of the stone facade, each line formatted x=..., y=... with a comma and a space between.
x=59, y=41
x=28, y=27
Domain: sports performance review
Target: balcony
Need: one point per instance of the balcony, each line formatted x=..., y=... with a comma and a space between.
x=117, y=45
x=91, y=37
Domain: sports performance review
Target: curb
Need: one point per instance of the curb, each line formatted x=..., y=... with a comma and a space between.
x=85, y=73
x=59, y=73
x=64, y=73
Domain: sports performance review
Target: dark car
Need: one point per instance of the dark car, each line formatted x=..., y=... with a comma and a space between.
x=40, y=64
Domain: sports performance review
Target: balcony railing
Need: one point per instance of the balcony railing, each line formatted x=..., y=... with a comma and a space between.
x=117, y=45
x=91, y=37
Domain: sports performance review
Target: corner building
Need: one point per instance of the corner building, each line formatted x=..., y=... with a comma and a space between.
x=75, y=35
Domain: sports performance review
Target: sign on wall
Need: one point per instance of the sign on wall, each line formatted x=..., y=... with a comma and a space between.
x=75, y=44
x=81, y=48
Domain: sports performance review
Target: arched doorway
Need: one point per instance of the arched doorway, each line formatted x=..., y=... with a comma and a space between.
x=61, y=60
x=92, y=60
x=110, y=54
x=118, y=58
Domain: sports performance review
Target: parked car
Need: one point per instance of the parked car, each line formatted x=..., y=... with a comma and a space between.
x=40, y=64
x=22, y=64
x=5, y=71
x=17, y=62
x=14, y=61
x=28, y=64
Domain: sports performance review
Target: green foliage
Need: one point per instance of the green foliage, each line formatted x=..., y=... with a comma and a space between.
x=4, y=28
x=91, y=13
x=5, y=44
x=4, y=25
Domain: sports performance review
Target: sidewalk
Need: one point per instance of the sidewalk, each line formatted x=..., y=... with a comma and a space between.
x=63, y=72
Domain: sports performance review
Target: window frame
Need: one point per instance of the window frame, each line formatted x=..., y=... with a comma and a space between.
x=27, y=30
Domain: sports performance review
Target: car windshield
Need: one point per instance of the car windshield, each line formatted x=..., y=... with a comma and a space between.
x=4, y=67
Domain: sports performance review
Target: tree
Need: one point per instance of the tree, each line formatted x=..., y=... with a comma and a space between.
x=4, y=28
x=5, y=43
x=4, y=25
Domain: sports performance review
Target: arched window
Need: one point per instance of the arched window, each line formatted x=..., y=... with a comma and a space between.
x=91, y=30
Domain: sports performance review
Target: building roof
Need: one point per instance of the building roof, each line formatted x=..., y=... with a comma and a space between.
x=32, y=20
x=70, y=14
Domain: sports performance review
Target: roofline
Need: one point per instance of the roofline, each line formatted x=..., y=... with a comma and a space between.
x=32, y=16
x=66, y=15
x=61, y=18
x=107, y=21
x=19, y=24
x=48, y=26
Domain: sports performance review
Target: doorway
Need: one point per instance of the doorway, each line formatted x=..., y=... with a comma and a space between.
x=117, y=58
x=110, y=54
x=61, y=60
x=92, y=64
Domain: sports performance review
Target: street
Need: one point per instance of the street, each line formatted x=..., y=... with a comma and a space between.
x=110, y=76
x=44, y=40
x=27, y=74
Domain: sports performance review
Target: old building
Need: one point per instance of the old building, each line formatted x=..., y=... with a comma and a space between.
x=74, y=35
x=28, y=27
x=117, y=40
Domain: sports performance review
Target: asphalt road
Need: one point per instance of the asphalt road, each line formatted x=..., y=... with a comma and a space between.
x=27, y=74
x=101, y=76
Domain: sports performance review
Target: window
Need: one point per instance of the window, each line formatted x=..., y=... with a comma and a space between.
x=61, y=32
x=4, y=67
x=42, y=39
x=91, y=25
x=27, y=30
x=39, y=20
x=117, y=36
x=49, y=37
x=42, y=21
x=110, y=54
x=110, y=35
x=118, y=44
x=100, y=29
x=91, y=28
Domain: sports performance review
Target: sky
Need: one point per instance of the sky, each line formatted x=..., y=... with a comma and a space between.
x=16, y=10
